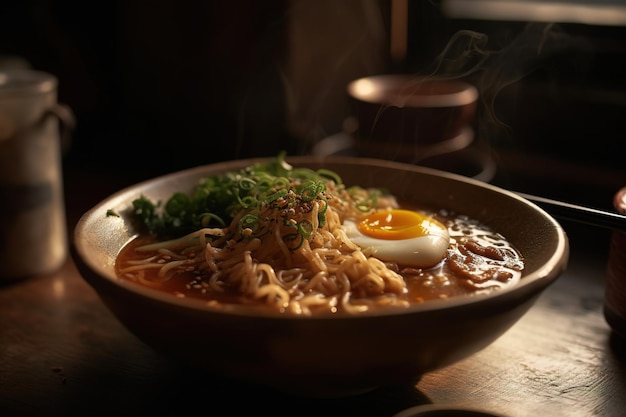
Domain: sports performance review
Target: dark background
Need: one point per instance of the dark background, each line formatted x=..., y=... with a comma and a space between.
x=558, y=93
x=162, y=86
x=158, y=86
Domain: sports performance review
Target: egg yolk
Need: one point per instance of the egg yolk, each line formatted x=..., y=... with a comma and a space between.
x=399, y=224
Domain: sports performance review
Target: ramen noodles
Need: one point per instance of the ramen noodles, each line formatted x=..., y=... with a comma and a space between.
x=301, y=242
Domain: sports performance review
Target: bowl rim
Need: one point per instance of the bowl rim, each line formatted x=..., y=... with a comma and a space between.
x=425, y=410
x=96, y=274
x=373, y=89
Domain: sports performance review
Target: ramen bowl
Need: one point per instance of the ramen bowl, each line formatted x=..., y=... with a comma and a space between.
x=326, y=355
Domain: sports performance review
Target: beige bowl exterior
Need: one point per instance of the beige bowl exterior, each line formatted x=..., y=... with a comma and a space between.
x=327, y=356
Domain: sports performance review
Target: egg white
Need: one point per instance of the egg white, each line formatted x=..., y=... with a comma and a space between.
x=420, y=252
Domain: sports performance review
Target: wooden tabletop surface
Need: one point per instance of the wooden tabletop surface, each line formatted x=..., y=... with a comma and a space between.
x=62, y=351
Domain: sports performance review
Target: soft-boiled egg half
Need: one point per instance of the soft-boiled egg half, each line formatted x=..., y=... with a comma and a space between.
x=407, y=237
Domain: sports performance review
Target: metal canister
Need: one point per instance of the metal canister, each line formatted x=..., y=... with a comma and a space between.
x=33, y=235
x=615, y=290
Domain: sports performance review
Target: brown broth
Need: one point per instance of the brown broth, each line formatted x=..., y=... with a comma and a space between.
x=478, y=261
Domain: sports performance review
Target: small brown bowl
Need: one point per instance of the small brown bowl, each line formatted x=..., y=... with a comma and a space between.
x=327, y=355
x=412, y=109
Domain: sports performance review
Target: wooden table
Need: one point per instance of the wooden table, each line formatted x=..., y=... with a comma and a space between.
x=62, y=352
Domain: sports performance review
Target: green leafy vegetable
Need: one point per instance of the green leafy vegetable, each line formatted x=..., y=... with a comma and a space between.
x=217, y=199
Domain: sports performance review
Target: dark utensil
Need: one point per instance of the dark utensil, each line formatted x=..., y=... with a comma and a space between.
x=580, y=214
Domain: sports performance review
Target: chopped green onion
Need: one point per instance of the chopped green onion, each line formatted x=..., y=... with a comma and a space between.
x=293, y=241
x=330, y=175
x=305, y=228
x=221, y=197
x=249, y=221
x=310, y=189
x=205, y=219
x=273, y=197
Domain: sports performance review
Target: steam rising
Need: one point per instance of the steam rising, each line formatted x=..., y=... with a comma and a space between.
x=470, y=55
x=321, y=65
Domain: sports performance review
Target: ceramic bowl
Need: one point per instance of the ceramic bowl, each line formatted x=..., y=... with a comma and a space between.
x=442, y=410
x=328, y=355
x=413, y=110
